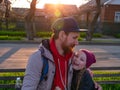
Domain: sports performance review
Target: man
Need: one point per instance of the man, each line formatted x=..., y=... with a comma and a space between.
x=58, y=51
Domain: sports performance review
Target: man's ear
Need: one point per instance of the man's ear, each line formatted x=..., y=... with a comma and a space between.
x=62, y=35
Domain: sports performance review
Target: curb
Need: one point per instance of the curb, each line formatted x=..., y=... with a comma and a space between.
x=38, y=42
x=99, y=43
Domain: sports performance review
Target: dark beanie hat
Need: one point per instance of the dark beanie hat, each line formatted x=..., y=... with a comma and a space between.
x=67, y=24
x=90, y=57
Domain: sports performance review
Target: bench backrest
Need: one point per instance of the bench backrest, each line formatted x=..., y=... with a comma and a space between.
x=12, y=78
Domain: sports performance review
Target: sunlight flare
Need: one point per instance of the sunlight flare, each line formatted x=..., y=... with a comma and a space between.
x=25, y=4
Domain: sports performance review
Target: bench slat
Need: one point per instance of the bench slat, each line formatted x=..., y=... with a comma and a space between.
x=10, y=77
x=11, y=70
x=7, y=85
x=106, y=75
x=108, y=82
x=93, y=68
x=105, y=68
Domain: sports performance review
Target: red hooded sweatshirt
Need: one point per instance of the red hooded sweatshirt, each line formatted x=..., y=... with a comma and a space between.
x=61, y=63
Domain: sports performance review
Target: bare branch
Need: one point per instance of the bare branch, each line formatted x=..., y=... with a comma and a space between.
x=29, y=1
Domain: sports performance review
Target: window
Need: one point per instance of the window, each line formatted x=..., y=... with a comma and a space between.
x=117, y=17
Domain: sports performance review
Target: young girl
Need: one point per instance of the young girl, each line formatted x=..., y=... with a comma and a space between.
x=82, y=79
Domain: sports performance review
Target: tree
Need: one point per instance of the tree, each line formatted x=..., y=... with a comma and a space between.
x=5, y=10
x=91, y=6
x=2, y=11
x=91, y=24
x=29, y=20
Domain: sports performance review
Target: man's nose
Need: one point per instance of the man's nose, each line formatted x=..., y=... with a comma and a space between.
x=76, y=42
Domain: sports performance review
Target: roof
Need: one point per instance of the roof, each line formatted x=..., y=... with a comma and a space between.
x=103, y=1
x=114, y=2
x=91, y=5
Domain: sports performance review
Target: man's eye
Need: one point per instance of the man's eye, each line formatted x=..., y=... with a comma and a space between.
x=75, y=37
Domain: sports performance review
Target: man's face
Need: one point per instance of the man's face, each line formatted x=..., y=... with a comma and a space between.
x=79, y=60
x=70, y=41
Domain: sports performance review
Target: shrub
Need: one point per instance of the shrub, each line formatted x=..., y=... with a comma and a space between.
x=10, y=38
x=13, y=33
x=44, y=34
x=117, y=35
x=82, y=34
x=80, y=39
x=97, y=35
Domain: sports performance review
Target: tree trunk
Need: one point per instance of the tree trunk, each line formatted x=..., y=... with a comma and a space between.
x=91, y=24
x=29, y=21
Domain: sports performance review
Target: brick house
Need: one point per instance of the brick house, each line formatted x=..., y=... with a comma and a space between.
x=110, y=11
x=109, y=19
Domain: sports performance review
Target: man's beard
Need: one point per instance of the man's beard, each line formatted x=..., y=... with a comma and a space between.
x=67, y=49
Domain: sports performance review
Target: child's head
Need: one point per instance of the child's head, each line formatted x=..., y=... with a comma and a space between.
x=83, y=58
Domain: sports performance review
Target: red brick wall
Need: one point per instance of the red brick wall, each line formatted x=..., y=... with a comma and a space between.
x=108, y=12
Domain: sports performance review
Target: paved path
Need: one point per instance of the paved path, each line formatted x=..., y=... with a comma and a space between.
x=16, y=55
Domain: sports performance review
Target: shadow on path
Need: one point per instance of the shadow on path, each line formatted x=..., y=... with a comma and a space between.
x=8, y=54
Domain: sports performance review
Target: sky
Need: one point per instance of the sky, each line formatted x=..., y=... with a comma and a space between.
x=25, y=4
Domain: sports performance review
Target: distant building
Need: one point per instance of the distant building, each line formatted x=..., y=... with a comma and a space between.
x=44, y=17
x=109, y=19
x=59, y=10
x=110, y=11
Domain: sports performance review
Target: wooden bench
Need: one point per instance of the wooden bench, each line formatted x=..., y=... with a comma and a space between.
x=4, y=79
x=13, y=77
x=116, y=69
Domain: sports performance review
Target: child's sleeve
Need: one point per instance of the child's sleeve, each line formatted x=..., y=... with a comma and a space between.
x=87, y=82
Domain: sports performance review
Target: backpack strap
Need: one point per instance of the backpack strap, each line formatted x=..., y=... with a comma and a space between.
x=45, y=66
x=44, y=69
